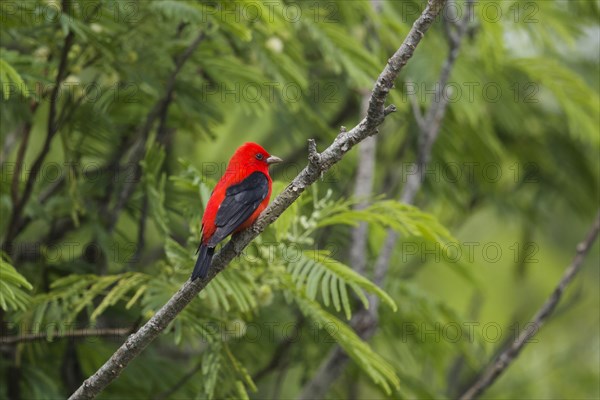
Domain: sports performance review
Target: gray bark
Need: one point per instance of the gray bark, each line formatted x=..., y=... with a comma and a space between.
x=363, y=187
x=317, y=164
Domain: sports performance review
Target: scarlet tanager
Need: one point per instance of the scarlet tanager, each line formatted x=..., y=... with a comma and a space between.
x=240, y=196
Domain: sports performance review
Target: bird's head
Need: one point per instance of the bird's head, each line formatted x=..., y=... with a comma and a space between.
x=252, y=156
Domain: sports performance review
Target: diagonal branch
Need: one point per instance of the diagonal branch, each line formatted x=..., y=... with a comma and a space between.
x=508, y=356
x=280, y=356
x=14, y=189
x=318, y=164
x=432, y=120
x=52, y=129
x=159, y=111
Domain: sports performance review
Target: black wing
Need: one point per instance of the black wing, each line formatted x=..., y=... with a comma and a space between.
x=240, y=202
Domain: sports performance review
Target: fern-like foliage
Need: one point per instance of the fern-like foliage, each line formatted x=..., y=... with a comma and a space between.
x=69, y=296
x=403, y=218
x=223, y=375
x=318, y=270
x=375, y=366
x=13, y=286
x=10, y=78
x=260, y=73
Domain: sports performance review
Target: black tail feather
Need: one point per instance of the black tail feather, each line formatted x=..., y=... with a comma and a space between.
x=203, y=262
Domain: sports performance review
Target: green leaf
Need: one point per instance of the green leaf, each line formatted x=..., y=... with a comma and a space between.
x=9, y=78
x=285, y=221
x=375, y=366
x=579, y=103
x=126, y=283
x=317, y=269
x=403, y=218
x=12, y=288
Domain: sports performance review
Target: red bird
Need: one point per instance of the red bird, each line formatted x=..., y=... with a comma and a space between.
x=240, y=196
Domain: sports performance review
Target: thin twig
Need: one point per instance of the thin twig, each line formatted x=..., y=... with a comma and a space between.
x=78, y=333
x=52, y=189
x=455, y=369
x=280, y=353
x=179, y=384
x=508, y=356
x=26, y=133
x=141, y=234
x=137, y=342
x=14, y=188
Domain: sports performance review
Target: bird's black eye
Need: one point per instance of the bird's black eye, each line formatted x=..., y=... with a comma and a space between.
x=259, y=156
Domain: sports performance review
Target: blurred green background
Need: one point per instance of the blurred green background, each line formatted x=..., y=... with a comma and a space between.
x=118, y=117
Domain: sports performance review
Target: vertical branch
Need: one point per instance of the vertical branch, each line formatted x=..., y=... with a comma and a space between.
x=429, y=129
x=363, y=186
x=141, y=234
x=365, y=322
x=508, y=356
x=14, y=374
x=70, y=367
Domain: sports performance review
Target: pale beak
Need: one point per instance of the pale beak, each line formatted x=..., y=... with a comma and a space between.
x=273, y=160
